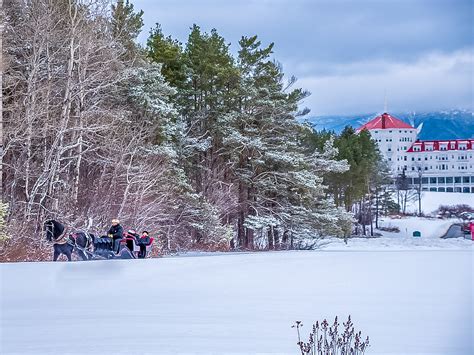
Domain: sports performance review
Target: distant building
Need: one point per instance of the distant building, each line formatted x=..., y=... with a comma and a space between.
x=442, y=165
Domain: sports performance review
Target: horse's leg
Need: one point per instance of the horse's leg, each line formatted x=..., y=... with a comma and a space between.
x=83, y=243
x=68, y=252
x=55, y=254
x=82, y=254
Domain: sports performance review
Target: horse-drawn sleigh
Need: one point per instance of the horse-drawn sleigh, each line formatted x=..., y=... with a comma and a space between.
x=89, y=247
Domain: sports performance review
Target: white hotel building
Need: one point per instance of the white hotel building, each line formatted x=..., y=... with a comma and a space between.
x=444, y=165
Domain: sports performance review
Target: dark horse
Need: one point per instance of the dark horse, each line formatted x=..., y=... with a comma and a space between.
x=67, y=244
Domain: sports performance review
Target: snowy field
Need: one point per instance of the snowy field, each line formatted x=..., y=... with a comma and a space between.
x=430, y=201
x=409, y=302
x=431, y=230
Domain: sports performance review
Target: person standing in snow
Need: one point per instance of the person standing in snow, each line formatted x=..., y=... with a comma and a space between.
x=116, y=233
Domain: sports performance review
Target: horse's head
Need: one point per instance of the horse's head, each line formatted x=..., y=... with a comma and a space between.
x=53, y=229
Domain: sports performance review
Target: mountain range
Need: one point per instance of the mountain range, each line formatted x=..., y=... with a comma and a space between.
x=453, y=124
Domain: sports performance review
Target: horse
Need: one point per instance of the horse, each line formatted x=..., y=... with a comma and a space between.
x=67, y=244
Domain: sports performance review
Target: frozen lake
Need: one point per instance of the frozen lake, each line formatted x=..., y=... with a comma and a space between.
x=417, y=301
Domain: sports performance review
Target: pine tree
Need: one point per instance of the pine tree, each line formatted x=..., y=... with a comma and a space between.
x=169, y=53
x=126, y=26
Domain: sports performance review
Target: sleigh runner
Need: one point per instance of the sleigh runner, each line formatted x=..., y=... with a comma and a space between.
x=129, y=247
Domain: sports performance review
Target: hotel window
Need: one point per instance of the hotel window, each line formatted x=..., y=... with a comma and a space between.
x=432, y=180
x=405, y=158
x=441, y=180
x=424, y=180
x=457, y=179
x=449, y=189
x=465, y=179
x=412, y=158
x=449, y=180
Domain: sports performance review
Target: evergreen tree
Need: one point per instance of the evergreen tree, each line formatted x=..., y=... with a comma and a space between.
x=126, y=26
x=169, y=53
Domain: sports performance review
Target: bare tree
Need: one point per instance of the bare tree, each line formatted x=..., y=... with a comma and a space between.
x=418, y=186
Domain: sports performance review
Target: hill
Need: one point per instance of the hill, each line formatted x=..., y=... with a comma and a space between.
x=454, y=124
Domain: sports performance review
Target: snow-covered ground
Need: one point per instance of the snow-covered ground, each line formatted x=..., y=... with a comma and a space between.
x=416, y=301
x=430, y=201
x=431, y=230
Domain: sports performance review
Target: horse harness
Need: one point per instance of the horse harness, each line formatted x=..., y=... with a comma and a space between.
x=66, y=239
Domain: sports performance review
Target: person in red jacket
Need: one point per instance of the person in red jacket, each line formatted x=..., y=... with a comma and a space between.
x=143, y=242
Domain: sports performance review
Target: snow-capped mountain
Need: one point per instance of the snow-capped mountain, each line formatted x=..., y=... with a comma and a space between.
x=454, y=124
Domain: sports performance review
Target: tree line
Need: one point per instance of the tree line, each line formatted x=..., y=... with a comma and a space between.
x=206, y=147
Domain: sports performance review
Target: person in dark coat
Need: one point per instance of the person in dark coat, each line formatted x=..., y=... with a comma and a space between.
x=116, y=233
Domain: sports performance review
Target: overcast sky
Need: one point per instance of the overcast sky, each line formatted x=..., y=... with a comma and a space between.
x=347, y=53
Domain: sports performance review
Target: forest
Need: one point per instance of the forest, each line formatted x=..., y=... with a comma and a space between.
x=203, y=143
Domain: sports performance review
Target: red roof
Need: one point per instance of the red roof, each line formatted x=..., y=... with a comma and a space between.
x=385, y=121
x=442, y=145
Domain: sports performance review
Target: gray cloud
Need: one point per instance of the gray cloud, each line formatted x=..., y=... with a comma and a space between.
x=345, y=51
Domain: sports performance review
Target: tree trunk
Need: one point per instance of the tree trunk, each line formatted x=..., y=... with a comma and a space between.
x=377, y=208
x=271, y=241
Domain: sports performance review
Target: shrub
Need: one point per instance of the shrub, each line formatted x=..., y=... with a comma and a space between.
x=326, y=340
x=392, y=229
x=447, y=211
x=3, y=216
